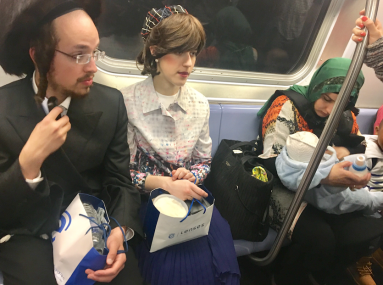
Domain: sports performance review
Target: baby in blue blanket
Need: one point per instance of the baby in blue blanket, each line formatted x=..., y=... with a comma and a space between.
x=291, y=164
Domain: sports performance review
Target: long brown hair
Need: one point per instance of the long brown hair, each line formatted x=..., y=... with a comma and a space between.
x=176, y=34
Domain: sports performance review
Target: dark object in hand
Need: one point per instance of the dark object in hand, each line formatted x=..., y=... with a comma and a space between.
x=53, y=102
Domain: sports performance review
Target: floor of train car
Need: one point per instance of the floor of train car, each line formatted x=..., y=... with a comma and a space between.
x=252, y=274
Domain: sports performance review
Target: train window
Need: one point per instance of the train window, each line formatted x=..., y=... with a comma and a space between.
x=244, y=37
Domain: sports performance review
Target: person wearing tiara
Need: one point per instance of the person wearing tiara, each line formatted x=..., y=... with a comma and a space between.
x=168, y=131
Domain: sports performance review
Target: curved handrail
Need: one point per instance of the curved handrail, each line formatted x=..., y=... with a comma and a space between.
x=329, y=129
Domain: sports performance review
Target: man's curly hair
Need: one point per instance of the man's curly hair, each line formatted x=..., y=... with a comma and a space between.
x=26, y=31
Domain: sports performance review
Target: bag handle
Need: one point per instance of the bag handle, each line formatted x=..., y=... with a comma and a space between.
x=249, y=157
x=191, y=205
x=243, y=204
x=265, y=215
x=237, y=145
x=106, y=232
x=123, y=234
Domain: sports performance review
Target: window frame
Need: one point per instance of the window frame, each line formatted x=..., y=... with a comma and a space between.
x=121, y=67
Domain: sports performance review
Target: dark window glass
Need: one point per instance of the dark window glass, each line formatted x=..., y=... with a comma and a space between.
x=271, y=36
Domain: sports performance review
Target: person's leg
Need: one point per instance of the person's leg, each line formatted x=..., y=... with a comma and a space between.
x=313, y=244
x=356, y=235
x=27, y=260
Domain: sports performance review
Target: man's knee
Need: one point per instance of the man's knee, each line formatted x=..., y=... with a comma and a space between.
x=318, y=245
x=27, y=260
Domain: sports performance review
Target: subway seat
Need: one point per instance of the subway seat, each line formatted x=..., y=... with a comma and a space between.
x=240, y=122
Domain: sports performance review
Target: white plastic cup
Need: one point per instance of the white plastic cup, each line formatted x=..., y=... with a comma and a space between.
x=171, y=206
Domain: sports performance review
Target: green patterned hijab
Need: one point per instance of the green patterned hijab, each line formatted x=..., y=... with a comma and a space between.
x=328, y=78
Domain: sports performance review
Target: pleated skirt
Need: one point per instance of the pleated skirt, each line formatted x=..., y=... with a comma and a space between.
x=206, y=260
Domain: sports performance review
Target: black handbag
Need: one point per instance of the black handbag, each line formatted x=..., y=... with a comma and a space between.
x=242, y=199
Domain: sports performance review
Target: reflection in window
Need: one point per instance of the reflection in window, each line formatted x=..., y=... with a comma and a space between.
x=231, y=48
x=270, y=36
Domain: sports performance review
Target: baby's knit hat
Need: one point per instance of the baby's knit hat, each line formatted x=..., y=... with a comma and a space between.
x=300, y=146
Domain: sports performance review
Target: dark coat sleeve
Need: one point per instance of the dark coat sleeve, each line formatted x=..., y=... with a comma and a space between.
x=22, y=210
x=18, y=202
x=121, y=197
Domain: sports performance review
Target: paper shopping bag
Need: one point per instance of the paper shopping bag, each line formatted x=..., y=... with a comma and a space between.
x=73, y=250
x=162, y=230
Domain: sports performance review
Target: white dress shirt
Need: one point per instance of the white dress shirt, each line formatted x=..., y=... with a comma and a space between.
x=64, y=105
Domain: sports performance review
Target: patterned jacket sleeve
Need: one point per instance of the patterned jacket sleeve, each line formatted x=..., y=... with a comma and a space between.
x=201, y=156
x=374, y=57
x=138, y=178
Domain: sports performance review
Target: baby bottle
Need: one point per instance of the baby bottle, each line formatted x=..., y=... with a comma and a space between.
x=359, y=167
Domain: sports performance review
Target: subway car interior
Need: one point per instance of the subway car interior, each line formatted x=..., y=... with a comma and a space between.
x=253, y=48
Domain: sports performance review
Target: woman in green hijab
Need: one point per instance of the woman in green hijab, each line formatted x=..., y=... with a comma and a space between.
x=306, y=108
x=318, y=238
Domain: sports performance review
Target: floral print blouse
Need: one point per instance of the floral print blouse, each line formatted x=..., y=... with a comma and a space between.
x=162, y=140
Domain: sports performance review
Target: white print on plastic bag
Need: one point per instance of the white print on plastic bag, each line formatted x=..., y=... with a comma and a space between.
x=170, y=231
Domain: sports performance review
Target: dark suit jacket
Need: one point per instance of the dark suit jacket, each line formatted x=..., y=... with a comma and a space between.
x=94, y=159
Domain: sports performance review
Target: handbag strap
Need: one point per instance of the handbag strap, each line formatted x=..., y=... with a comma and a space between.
x=191, y=205
x=243, y=204
x=247, y=158
x=265, y=215
x=237, y=145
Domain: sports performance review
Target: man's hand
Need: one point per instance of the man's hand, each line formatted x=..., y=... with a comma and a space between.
x=375, y=30
x=340, y=177
x=114, y=262
x=183, y=173
x=48, y=136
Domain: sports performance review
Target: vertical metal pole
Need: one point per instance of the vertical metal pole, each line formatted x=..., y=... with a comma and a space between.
x=328, y=132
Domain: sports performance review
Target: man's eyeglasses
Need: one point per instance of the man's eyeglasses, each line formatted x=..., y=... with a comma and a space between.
x=85, y=58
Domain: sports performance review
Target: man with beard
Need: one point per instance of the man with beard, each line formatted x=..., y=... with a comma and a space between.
x=47, y=158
